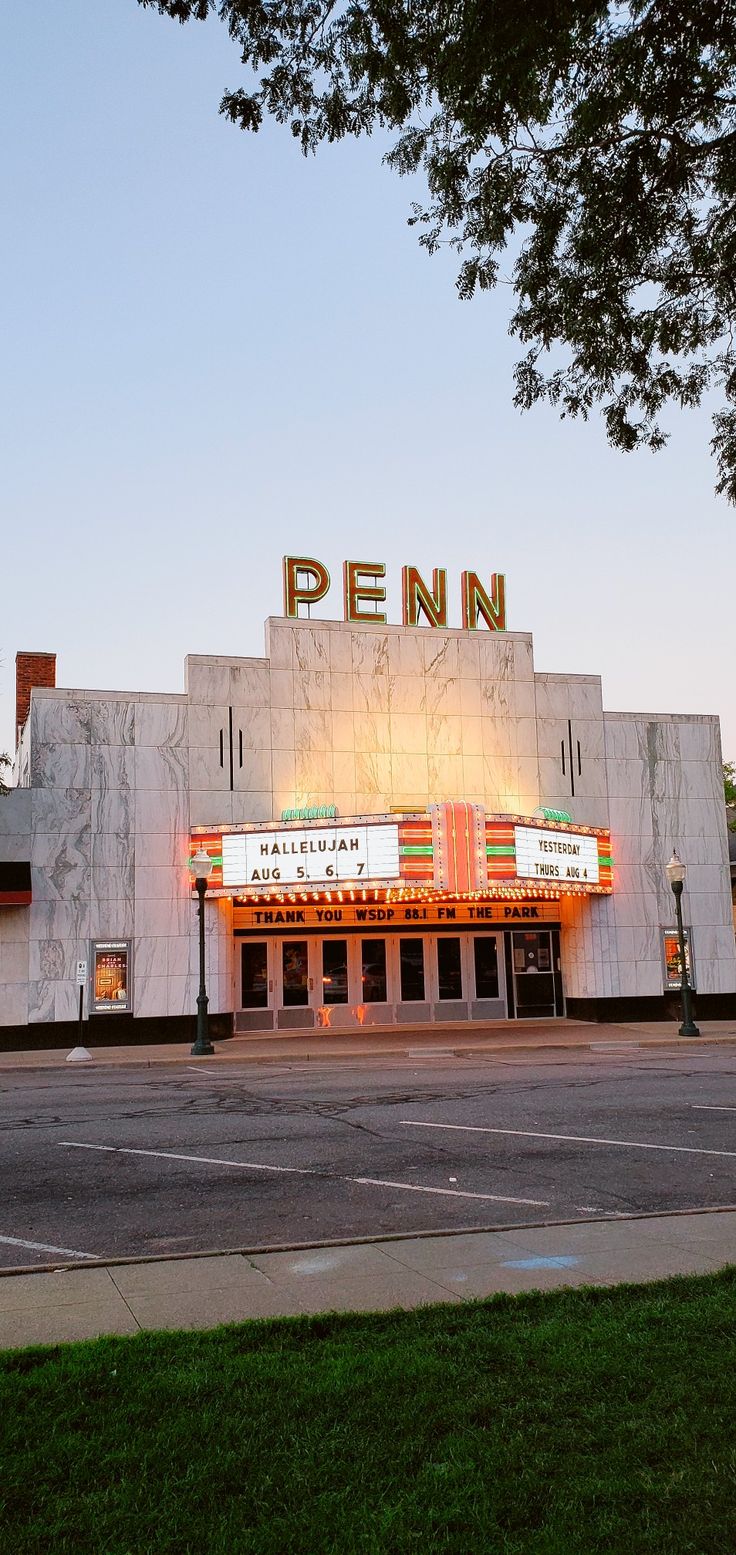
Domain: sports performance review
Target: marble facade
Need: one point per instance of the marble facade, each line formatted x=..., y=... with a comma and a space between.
x=364, y=718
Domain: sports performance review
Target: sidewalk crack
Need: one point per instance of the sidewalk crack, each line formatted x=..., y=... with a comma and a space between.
x=254, y=1266
x=408, y=1268
x=124, y=1299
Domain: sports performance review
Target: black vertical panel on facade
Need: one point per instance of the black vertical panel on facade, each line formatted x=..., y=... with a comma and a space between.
x=509, y=962
x=559, y=994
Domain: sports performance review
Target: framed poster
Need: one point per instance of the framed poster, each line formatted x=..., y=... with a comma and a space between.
x=671, y=954
x=111, y=991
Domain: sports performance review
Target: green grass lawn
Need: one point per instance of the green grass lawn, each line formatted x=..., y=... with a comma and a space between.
x=559, y=1424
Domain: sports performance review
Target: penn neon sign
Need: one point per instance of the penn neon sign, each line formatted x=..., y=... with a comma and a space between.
x=306, y=581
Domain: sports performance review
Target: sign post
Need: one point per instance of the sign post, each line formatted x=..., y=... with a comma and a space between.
x=81, y=980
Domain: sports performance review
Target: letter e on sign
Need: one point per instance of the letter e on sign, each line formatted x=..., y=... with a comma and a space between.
x=357, y=592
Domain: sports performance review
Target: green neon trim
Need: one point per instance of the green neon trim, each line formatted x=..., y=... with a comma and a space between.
x=507, y=852
x=603, y=859
x=319, y=812
x=422, y=852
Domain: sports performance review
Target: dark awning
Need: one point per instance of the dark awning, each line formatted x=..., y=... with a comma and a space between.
x=15, y=884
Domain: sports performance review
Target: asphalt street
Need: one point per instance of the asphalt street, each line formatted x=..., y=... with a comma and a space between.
x=119, y=1162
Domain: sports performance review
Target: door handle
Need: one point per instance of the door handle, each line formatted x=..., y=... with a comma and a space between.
x=270, y=985
x=311, y=983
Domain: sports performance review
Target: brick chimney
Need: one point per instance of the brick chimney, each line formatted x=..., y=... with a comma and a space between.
x=31, y=670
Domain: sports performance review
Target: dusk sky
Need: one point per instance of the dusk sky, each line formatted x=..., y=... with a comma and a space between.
x=215, y=352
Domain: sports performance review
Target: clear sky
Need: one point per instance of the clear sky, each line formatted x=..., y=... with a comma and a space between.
x=215, y=352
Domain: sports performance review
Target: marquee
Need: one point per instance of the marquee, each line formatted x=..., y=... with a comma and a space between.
x=454, y=852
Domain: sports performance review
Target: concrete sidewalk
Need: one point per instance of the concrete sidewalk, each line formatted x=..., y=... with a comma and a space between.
x=124, y=1297
x=414, y=1042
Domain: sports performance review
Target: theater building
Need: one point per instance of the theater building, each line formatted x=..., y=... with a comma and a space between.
x=407, y=824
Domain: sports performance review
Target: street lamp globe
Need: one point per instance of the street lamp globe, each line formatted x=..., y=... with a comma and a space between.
x=675, y=870
x=200, y=865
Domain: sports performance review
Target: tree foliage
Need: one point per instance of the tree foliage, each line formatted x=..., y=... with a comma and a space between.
x=729, y=787
x=593, y=144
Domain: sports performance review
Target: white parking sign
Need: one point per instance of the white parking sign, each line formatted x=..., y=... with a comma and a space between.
x=81, y=973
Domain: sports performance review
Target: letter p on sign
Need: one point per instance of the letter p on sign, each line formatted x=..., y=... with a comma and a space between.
x=305, y=581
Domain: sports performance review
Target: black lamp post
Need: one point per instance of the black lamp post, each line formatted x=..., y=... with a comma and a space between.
x=201, y=869
x=675, y=872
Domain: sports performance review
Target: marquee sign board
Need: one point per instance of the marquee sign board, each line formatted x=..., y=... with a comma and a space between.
x=454, y=850
x=552, y=856
x=321, y=855
x=394, y=917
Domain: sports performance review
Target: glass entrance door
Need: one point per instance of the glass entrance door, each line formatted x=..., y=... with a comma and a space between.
x=412, y=992
x=254, y=989
x=315, y=982
x=488, y=997
x=296, y=983
x=254, y=986
x=468, y=976
x=335, y=968
x=534, y=983
x=373, y=972
x=486, y=966
x=450, y=979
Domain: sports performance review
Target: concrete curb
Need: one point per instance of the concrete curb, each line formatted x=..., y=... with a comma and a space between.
x=260, y=1249
x=320, y=1055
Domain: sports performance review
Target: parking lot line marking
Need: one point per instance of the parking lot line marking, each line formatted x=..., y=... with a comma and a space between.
x=702, y=1107
x=45, y=1247
x=430, y=1052
x=221, y=1076
x=452, y=1193
x=202, y=1160
x=624, y=1046
x=298, y=1171
x=573, y=1139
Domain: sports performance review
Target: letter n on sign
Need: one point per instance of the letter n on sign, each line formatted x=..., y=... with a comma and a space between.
x=418, y=599
x=476, y=601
